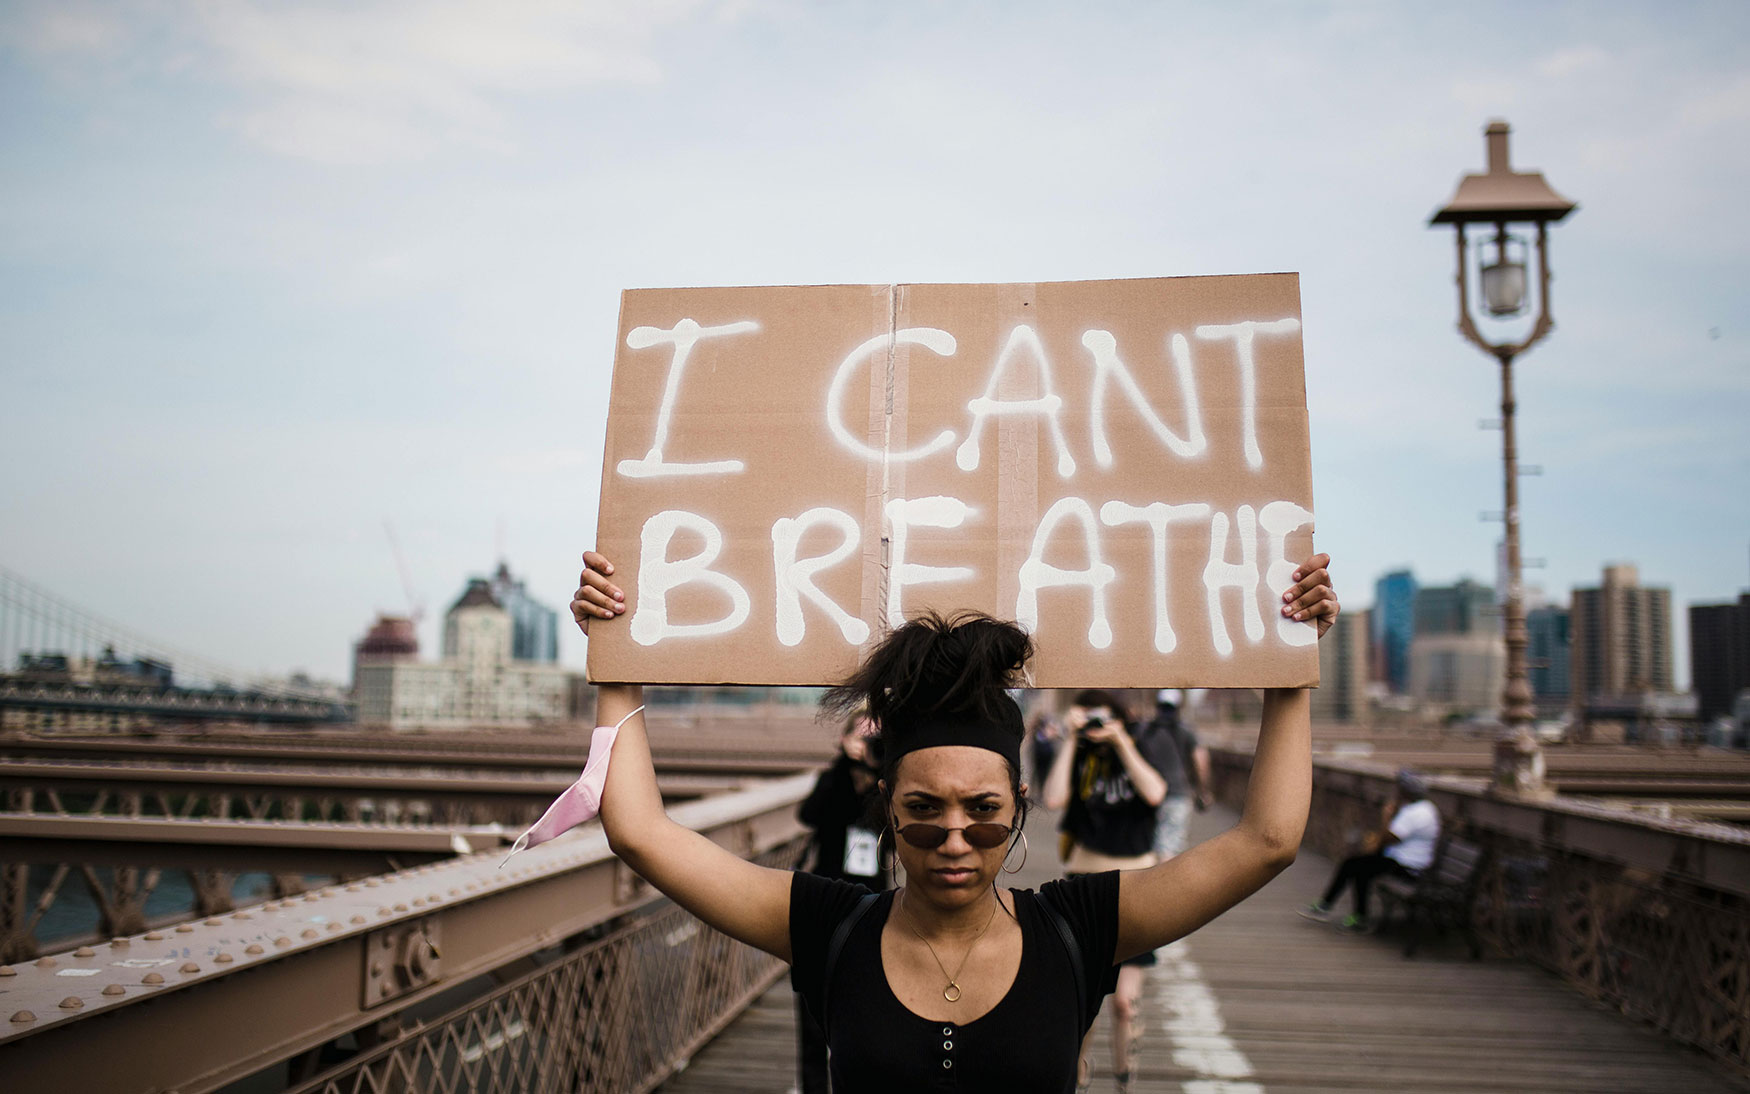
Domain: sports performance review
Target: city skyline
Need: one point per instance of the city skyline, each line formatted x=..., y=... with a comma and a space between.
x=278, y=274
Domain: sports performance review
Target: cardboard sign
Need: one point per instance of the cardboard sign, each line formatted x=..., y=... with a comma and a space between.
x=1121, y=466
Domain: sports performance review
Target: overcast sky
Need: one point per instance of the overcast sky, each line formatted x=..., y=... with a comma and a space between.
x=273, y=274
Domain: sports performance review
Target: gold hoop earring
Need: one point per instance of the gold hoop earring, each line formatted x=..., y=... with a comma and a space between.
x=1023, y=863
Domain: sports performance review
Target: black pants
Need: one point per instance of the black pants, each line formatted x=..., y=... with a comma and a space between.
x=811, y=1068
x=1360, y=870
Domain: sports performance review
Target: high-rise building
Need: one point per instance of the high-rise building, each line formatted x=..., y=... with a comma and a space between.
x=1391, y=625
x=1621, y=639
x=1719, y=655
x=1459, y=672
x=479, y=682
x=1342, y=692
x=1548, y=656
x=1465, y=608
x=534, y=626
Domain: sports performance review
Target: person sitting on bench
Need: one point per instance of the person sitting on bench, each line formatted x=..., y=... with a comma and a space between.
x=1402, y=847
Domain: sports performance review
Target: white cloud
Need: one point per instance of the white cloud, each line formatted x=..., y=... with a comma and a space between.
x=393, y=80
x=381, y=80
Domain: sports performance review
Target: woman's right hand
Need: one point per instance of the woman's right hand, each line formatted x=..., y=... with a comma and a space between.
x=596, y=597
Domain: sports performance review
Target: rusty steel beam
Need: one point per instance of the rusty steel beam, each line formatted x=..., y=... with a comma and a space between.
x=789, y=737
x=265, y=846
x=108, y=775
x=203, y=1004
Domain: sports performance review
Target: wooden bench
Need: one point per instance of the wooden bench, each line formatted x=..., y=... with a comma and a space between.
x=1438, y=898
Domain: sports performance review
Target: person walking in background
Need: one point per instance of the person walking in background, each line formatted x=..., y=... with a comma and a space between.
x=1109, y=782
x=1044, y=735
x=1186, y=772
x=1403, y=846
x=846, y=846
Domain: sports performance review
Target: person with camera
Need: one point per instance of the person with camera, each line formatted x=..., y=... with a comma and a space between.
x=1109, y=783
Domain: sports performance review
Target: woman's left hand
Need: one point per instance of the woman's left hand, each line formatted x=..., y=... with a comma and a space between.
x=1312, y=596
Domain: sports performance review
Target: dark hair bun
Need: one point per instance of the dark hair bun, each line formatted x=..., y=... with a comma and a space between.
x=958, y=664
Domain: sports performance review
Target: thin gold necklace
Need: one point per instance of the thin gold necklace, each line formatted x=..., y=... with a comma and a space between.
x=952, y=991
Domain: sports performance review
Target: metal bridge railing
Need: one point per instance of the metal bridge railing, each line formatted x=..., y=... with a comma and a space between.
x=1648, y=916
x=559, y=971
x=623, y=1013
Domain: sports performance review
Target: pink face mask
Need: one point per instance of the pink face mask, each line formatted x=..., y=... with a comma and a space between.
x=581, y=801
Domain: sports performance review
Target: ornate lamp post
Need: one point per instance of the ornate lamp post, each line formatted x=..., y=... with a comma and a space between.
x=1501, y=197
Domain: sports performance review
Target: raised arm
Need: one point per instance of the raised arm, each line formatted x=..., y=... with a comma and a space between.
x=742, y=899
x=1169, y=901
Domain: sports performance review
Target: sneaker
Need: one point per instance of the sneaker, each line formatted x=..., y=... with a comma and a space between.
x=1354, y=924
x=1315, y=911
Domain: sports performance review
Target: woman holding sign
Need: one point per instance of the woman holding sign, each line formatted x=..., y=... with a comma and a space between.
x=953, y=980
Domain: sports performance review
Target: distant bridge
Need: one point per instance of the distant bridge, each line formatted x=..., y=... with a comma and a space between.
x=61, y=664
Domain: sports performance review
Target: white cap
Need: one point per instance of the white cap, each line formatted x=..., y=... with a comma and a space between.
x=1170, y=695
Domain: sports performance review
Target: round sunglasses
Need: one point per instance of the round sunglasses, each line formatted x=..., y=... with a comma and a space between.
x=928, y=837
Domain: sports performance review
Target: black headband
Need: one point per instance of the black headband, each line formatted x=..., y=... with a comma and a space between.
x=905, y=732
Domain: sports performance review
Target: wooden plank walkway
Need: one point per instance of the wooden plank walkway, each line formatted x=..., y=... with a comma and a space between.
x=1264, y=1001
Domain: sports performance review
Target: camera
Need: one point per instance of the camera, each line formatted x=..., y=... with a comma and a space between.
x=1095, y=721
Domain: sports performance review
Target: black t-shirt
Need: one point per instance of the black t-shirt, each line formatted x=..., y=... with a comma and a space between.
x=1105, y=812
x=1028, y=1042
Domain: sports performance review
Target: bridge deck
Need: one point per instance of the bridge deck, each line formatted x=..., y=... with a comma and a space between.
x=1298, y=1006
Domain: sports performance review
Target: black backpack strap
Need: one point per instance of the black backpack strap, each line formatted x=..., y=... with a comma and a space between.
x=1056, y=919
x=834, y=948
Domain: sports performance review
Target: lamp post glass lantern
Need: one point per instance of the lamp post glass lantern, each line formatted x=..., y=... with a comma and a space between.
x=1500, y=197
x=1501, y=270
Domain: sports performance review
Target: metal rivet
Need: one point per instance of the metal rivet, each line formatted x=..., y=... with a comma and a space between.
x=455, y=892
x=215, y=922
x=185, y=928
x=253, y=948
x=224, y=959
x=401, y=907
x=282, y=940
x=24, y=1016
x=189, y=969
x=8, y=970
x=152, y=978
x=242, y=915
x=372, y=883
x=270, y=906
x=45, y=963
x=310, y=898
x=84, y=951
x=309, y=932
x=334, y=926
x=358, y=919
x=120, y=943
x=115, y=989
x=72, y=1002
x=353, y=888
x=418, y=902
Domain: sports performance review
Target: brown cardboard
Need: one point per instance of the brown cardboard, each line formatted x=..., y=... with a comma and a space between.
x=758, y=388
